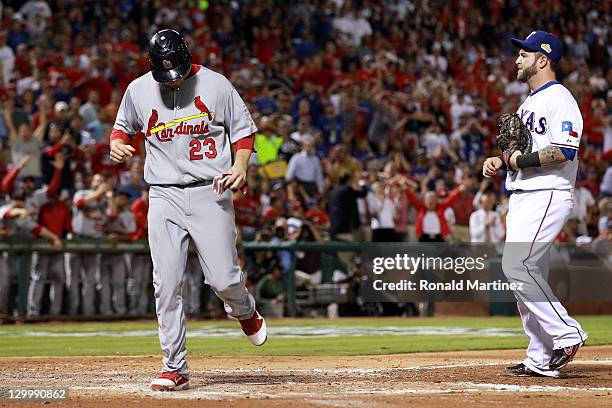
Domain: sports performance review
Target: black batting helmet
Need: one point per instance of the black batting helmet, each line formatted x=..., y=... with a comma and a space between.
x=169, y=56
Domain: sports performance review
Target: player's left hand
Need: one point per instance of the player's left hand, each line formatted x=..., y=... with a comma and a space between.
x=234, y=179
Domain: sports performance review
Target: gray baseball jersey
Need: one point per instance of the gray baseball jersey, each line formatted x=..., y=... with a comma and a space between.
x=37, y=199
x=123, y=223
x=16, y=225
x=89, y=218
x=188, y=131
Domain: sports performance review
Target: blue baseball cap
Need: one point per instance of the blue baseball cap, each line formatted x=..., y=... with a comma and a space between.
x=541, y=41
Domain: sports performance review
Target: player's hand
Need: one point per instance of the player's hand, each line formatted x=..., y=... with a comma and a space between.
x=119, y=151
x=236, y=179
x=491, y=166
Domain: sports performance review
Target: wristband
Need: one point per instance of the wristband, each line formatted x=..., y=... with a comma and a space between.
x=528, y=160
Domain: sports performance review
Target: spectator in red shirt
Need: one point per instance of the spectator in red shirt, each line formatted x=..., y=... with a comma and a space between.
x=463, y=208
x=431, y=225
x=316, y=215
x=247, y=209
x=275, y=210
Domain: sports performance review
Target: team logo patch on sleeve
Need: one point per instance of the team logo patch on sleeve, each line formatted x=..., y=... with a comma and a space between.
x=566, y=126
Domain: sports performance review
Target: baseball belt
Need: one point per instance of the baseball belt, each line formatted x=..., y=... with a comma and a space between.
x=198, y=183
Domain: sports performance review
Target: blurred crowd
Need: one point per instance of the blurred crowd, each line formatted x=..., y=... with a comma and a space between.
x=374, y=119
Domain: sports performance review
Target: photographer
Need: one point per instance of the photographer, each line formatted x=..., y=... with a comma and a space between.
x=270, y=293
x=342, y=207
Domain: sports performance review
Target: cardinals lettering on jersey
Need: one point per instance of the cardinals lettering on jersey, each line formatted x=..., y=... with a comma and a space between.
x=165, y=132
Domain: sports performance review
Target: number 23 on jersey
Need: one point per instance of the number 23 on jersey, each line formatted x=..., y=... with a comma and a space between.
x=200, y=148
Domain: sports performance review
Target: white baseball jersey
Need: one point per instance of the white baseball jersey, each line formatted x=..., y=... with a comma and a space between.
x=553, y=117
x=478, y=231
x=188, y=131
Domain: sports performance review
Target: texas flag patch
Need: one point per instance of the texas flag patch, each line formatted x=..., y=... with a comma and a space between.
x=566, y=126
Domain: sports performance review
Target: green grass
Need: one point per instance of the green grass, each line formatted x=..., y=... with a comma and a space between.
x=14, y=343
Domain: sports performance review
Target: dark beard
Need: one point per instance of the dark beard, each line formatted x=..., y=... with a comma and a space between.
x=527, y=73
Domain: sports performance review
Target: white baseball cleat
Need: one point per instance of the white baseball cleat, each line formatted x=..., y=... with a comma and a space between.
x=170, y=381
x=255, y=329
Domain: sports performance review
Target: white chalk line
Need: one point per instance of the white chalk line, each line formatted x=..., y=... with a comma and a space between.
x=378, y=370
x=531, y=388
x=291, y=332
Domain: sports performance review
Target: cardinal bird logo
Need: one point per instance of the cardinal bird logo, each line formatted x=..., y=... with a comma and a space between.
x=152, y=122
x=202, y=107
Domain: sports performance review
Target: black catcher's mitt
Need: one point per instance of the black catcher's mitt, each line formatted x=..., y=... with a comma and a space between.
x=513, y=135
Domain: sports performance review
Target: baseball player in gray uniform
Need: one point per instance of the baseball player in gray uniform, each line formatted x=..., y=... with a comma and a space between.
x=139, y=273
x=53, y=214
x=113, y=270
x=16, y=219
x=88, y=222
x=192, y=118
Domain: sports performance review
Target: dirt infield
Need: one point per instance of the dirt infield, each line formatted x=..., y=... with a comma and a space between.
x=424, y=379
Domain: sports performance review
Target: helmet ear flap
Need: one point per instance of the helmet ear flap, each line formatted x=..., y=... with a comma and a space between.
x=169, y=56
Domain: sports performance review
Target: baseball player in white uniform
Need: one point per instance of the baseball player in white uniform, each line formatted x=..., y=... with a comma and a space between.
x=192, y=118
x=541, y=182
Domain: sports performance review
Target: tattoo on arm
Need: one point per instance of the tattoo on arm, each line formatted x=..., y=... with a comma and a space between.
x=551, y=155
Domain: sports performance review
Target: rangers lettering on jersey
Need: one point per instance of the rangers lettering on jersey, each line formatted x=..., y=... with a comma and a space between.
x=553, y=117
